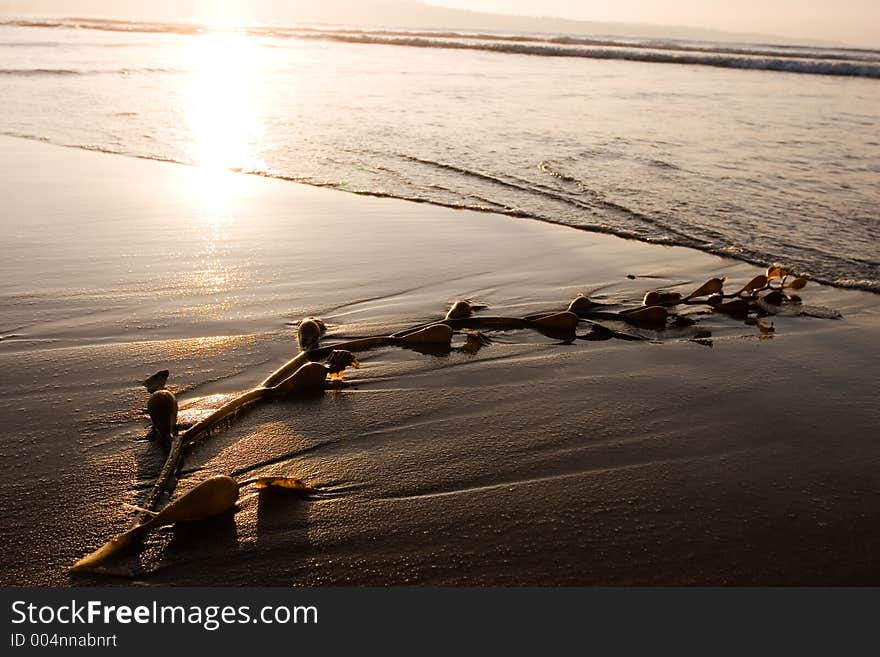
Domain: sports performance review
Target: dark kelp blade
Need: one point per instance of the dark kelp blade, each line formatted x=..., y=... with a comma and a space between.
x=434, y=334
x=474, y=341
x=308, y=378
x=776, y=271
x=460, y=310
x=287, y=483
x=775, y=297
x=212, y=497
x=734, y=308
x=661, y=298
x=564, y=321
x=338, y=360
x=712, y=286
x=651, y=316
x=115, y=546
x=581, y=304
x=156, y=381
x=759, y=282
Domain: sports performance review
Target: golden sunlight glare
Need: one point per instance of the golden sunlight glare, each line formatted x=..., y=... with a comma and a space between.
x=222, y=108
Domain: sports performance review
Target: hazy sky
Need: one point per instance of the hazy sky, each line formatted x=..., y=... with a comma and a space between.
x=850, y=20
x=853, y=21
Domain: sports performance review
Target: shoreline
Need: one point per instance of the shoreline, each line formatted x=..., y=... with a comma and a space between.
x=843, y=284
x=528, y=463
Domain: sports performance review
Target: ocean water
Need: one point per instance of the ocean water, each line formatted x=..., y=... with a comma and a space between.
x=759, y=152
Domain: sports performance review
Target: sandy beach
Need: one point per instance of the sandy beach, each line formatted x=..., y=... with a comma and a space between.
x=743, y=459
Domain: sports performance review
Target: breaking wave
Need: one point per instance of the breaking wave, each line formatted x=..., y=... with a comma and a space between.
x=627, y=222
x=852, y=62
x=32, y=72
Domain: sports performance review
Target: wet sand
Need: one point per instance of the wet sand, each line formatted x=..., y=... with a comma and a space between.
x=532, y=462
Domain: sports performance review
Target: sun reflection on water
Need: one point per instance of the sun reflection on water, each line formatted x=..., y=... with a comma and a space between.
x=224, y=113
x=222, y=105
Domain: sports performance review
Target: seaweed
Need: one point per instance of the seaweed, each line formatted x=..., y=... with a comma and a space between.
x=307, y=373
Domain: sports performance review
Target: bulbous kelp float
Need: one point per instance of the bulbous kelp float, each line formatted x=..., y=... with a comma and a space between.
x=307, y=373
